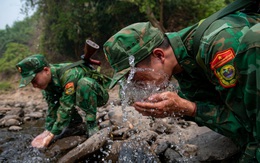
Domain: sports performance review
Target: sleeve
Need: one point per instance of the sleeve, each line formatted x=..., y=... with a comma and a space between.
x=67, y=100
x=53, y=105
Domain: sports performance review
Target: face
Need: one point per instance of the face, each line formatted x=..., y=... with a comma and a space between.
x=42, y=79
x=150, y=71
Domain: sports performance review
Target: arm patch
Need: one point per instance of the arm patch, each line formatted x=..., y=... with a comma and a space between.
x=223, y=69
x=69, y=88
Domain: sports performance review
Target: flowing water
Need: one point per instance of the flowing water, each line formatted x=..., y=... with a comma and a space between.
x=15, y=145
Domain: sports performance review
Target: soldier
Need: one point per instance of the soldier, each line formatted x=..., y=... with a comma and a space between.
x=218, y=88
x=63, y=91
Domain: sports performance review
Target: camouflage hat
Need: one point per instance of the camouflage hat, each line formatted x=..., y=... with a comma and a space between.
x=29, y=67
x=136, y=40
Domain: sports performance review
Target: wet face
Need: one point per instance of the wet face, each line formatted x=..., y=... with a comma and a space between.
x=152, y=69
x=144, y=76
x=42, y=79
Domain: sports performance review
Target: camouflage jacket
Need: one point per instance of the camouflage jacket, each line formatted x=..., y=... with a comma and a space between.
x=223, y=79
x=61, y=104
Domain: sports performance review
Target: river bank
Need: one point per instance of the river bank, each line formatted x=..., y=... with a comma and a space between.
x=22, y=113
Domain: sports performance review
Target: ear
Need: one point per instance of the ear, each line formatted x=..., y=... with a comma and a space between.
x=47, y=69
x=159, y=54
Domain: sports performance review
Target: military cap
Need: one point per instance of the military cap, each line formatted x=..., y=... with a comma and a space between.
x=29, y=67
x=137, y=40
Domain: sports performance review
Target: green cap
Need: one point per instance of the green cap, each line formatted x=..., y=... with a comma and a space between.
x=29, y=67
x=136, y=40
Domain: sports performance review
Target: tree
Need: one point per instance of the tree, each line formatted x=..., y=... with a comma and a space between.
x=14, y=53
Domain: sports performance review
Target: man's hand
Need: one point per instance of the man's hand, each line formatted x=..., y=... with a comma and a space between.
x=42, y=140
x=165, y=104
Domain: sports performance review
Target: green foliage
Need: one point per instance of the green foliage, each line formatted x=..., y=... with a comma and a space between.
x=14, y=53
x=21, y=32
x=68, y=23
x=5, y=86
x=63, y=26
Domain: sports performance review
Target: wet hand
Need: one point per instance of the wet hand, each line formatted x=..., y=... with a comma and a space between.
x=42, y=140
x=165, y=104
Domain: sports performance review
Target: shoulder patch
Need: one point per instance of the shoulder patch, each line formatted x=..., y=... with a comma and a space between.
x=226, y=76
x=224, y=71
x=221, y=58
x=69, y=88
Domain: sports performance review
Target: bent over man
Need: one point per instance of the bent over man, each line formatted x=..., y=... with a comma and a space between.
x=63, y=91
x=219, y=86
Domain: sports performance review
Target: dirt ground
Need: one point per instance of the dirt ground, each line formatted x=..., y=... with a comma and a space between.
x=29, y=93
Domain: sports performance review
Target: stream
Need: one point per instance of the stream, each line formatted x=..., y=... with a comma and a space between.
x=15, y=145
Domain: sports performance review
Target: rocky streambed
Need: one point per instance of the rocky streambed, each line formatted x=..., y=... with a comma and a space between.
x=134, y=139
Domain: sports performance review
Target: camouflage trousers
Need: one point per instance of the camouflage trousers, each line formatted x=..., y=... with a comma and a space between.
x=90, y=95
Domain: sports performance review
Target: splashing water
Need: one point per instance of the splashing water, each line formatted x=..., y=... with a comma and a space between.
x=131, y=92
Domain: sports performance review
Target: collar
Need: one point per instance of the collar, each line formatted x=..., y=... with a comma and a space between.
x=180, y=42
x=55, y=81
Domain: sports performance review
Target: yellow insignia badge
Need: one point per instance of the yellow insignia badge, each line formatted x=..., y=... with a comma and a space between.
x=226, y=76
x=69, y=88
x=224, y=71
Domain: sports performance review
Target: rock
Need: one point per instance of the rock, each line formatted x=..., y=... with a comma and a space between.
x=137, y=151
x=190, y=150
x=12, y=122
x=5, y=109
x=35, y=115
x=117, y=117
x=16, y=111
x=213, y=146
x=148, y=135
x=114, y=149
x=15, y=128
x=171, y=155
x=64, y=145
x=120, y=132
x=105, y=124
x=85, y=149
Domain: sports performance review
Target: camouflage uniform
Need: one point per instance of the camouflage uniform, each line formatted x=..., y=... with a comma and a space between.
x=74, y=87
x=223, y=79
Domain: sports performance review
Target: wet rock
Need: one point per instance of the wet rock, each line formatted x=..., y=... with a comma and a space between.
x=116, y=117
x=160, y=126
x=101, y=115
x=148, y=135
x=114, y=149
x=129, y=118
x=63, y=145
x=105, y=124
x=190, y=150
x=172, y=156
x=86, y=149
x=137, y=151
x=120, y=132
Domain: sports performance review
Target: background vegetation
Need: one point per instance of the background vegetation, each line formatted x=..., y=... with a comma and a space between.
x=58, y=29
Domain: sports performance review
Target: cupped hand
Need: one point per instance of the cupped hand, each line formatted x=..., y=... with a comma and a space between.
x=42, y=140
x=165, y=104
